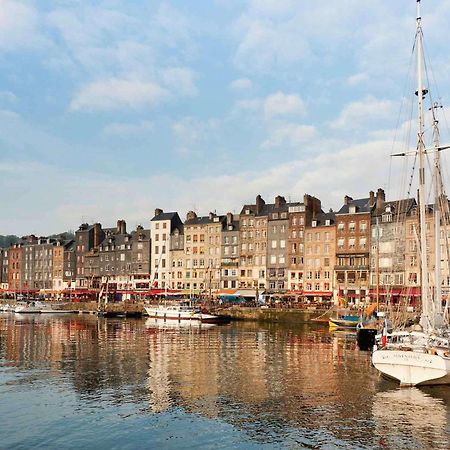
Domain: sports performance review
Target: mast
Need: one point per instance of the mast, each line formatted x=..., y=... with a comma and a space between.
x=437, y=218
x=377, y=264
x=425, y=318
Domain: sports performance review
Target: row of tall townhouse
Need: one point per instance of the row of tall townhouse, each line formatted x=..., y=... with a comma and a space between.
x=38, y=264
x=367, y=248
x=120, y=259
x=3, y=268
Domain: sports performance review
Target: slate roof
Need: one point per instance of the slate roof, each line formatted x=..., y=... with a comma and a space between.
x=399, y=207
x=362, y=206
x=205, y=220
x=321, y=218
x=165, y=216
x=269, y=208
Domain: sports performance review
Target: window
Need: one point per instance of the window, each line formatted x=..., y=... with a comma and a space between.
x=273, y=259
x=274, y=244
x=341, y=243
x=282, y=243
x=341, y=226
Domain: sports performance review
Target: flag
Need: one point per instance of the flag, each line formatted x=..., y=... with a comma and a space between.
x=384, y=335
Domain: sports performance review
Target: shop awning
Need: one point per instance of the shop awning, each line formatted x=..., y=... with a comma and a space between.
x=318, y=293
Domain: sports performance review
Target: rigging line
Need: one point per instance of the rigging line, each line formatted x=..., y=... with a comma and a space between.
x=408, y=81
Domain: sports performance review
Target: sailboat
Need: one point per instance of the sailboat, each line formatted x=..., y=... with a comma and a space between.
x=422, y=356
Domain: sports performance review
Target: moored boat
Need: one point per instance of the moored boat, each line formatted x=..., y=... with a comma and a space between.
x=181, y=312
x=421, y=356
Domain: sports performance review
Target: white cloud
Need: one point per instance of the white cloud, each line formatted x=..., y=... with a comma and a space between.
x=357, y=78
x=8, y=97
x=127, y=129
x=285, y=134
x=280, y=104
x=249, y=104
x=19, y=26
x=181, y=80
x=118, y=93
x=368, y=111
x=264, y=45
x=241, y=84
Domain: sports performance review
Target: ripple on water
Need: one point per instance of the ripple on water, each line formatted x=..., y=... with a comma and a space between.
x=82, y=382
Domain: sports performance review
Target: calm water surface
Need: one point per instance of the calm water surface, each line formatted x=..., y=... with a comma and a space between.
x=81, y=382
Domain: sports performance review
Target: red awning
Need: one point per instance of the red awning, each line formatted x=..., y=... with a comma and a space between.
x=318, y=293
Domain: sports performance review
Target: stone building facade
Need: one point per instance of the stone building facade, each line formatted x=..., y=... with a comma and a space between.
x=162, y=226
x=15, y=274
x=320, y=259
x=87, y=237
x=230, y=253
x=300, y=216
x=352, y=268
x=390, y=249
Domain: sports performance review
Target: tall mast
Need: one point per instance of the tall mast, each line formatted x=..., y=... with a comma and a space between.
x=425, y=319
x=437, y=218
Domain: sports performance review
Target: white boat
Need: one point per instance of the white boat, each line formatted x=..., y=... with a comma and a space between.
x=422, y=357
x=32, y=307
x=181, y=312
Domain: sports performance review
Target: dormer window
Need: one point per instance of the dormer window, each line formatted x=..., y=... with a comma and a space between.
x=314, y=223
x=327, y=222
x=275, y=216
x=216, y=219
x=230, y=227
x=247, y=211
x=388, y=209
x=352, y=209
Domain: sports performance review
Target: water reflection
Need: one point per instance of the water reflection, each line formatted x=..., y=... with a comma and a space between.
x=410, y=418
x=296, y=386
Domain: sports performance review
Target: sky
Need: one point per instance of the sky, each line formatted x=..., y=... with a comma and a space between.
x=112, y=108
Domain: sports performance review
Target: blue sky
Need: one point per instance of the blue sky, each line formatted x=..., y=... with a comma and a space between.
x=111, y=108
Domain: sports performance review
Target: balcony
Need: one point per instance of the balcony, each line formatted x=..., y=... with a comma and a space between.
x=230, y=264
x=348, y=267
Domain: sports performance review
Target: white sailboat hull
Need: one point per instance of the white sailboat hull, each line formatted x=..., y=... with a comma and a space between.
x=179, y=314
x=412, y=368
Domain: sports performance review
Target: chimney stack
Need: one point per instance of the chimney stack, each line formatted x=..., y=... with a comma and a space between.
x=191, y=215
x=347, y=200
x=371, y=198
x=259, y=204
x=229, y=219
x=158, y=212
x=121, y=227
x=98, y=234
x=211, y=215
x=279, y=200
x=381, y=198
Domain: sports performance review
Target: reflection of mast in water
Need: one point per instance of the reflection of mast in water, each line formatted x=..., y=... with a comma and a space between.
x=158, y=381
x=410, y=418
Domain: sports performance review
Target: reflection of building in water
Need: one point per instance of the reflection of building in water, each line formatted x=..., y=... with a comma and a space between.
x=410, y=418
x=158, y=382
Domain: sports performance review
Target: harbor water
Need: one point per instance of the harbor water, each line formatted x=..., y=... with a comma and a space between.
x=72, y=381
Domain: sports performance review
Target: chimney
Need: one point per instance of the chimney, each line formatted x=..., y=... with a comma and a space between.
x=229, y=218
x=211, y=216
x=191, y=215
x=371, y=198
x=158, y=212
x=347, y=200
x=121, y=227
x=98, y=234
x=381, y=198
x=279, y=200
x=259, y=204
